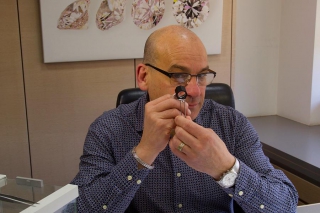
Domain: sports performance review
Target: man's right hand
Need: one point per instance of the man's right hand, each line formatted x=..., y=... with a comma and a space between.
x=159, y=121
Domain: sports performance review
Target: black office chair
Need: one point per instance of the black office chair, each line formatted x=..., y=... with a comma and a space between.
x=219, y=92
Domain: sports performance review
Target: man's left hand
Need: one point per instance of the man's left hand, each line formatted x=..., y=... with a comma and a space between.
x=204, y=151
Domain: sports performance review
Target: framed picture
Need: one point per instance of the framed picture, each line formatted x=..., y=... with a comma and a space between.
x=85, y=30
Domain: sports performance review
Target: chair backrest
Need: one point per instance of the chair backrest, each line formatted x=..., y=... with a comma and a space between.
x=219, y=92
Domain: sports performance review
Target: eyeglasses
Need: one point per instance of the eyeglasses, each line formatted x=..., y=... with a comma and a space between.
x=203, y=79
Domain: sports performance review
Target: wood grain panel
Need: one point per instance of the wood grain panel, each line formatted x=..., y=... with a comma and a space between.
x=308, y=192
x=233, y=40
x=63, y=99
x=14, y=148
x=221, y=63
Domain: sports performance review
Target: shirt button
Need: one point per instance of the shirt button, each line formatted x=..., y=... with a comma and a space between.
x=129, y=177
x=241, y=193
x=231, y=195
x=138, y=182
x=178, y=174
x=104, y=207
x=180, y=205
x=261, y=206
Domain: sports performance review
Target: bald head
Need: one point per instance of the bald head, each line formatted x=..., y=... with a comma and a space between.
x=166, y=39
x=173, y=49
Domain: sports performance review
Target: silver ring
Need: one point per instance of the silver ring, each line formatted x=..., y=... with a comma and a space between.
x=180, y=147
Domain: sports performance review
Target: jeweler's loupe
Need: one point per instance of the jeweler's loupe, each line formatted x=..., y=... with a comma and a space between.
x=181, y=92
x=181, y=95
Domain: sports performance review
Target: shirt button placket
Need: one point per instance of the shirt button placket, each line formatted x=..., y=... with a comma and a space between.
x=180, y=204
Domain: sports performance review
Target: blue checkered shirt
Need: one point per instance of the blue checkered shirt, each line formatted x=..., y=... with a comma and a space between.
x=109, y=180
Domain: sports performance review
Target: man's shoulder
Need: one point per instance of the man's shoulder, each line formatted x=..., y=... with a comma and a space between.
x=218, y=116
x=216, y=110
x=210, y=105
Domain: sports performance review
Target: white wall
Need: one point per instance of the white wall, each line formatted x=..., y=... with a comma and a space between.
x=296, y=59
x=254, y=80
x=315, y=96
x=277, y=59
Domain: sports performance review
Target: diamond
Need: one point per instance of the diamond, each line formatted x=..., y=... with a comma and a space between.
x=190, y=13
x=75, y=16
x=110, y=13
x=147, y=14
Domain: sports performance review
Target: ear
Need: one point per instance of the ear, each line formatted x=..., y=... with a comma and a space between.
x=141, y=76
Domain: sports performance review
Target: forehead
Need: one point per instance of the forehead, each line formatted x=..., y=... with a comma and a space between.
x=180, y=56
x=178, y=68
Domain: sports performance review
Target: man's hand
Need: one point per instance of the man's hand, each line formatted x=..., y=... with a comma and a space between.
x=158, y=123
x=204, y=151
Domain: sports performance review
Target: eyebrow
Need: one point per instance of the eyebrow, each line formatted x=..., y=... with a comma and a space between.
x=185, y=69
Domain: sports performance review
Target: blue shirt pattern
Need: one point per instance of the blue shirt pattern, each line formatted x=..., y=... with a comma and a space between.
x=109, y=180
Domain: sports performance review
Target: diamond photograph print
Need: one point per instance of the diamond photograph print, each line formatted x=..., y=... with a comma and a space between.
x=87, y=30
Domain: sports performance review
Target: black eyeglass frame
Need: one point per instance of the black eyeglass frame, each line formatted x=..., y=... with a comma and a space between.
x=169, y=74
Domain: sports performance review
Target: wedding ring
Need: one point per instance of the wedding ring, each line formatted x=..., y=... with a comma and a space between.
x=180, y=147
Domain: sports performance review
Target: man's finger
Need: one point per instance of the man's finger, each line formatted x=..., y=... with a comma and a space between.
x=189, y=126
x=160, y=99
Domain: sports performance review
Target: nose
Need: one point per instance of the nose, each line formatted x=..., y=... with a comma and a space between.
x=192, y=87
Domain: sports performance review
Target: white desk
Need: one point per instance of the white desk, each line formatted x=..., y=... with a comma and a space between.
x=312, y=208
x=48, y=198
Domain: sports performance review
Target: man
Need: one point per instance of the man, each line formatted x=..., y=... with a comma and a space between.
x=133, y=163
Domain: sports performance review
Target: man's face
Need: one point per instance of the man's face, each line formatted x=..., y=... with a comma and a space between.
x=180, y=59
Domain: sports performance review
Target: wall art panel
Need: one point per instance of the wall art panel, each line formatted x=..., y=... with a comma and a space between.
x=85, y=30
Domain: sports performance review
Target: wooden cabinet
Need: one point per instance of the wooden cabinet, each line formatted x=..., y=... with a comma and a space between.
x=308, y=192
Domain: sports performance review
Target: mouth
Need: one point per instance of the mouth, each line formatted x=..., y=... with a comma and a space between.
x=192, y=105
